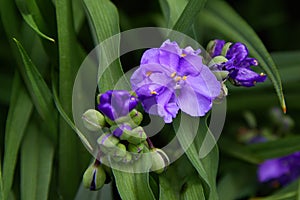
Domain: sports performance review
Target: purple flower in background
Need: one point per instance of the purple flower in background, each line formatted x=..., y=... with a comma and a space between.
x=116, y=103
x=282, y=170
x=238, y=64
x=170, y=78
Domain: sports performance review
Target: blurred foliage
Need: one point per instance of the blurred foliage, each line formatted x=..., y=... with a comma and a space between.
x=32, y=67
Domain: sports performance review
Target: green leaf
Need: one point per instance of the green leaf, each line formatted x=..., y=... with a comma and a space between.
x=192, y=190
x=185, y=127
x=188, y=16
x=104, y=21
x=277, y=148
x=69, y=121
x=168, y=190
x=172, y=9
x=26, y=13
x=1, y=182
x=132, y=185
x=220, y=16
x=71, y=151
x=85, y=194
x=37, y=154
x=173, y=181
x=230, y=147
x=39, y=91
x=18, y=117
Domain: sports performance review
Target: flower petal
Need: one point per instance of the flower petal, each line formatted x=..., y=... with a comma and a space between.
x=205, y=83
x=193, y=103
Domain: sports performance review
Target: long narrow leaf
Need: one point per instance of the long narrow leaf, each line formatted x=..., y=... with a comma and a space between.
x=71, y=151
x=220, y=16
x=37, y=154
x=1, y=181
x=189, y=15
x=275, y=148
x=193, y=190
x=18, y=117
x=39, y=91
x=132, y=185
x=104, y=21
x=29, y=19
x=185, y=129
x=69, y=121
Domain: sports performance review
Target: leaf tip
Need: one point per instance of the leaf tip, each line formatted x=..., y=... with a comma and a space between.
x=283, y=105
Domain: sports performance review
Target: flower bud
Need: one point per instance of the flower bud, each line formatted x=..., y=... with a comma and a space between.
x=120, y=150
x=136, y=148
x=136, y=118
x=226, y=48
x=160, y=160
x=134, y=136
x=217, y=60
x=94, y=177
x=118, y=130
x=93, y=120
x=214, y=47
x=127, y=158
x=222, y=95
x=108, y=140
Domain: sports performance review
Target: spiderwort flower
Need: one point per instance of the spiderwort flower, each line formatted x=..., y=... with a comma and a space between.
x=170, y=78
x=116, y=103
x=238, y=63
x=281, y=170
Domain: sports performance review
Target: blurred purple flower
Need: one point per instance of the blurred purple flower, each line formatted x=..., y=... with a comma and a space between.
x=116, y=103
x=170, y=78
x=284, y=169
x=238, y=64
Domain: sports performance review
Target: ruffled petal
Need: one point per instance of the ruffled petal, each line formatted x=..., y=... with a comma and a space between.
x=247, y=77
x=193, y=103
x=205, y=83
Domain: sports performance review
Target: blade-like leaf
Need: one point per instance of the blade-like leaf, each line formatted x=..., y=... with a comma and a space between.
x=185, y=127
x=277, y=148
x=168, y=190
x=132, y=185
x=69, y=121
x=1, y=181
x=85, y=194
x=188, y=16
x=104, y=21
x=29, y=19
x=37, y=153
x=71, y=152
x=172, y=9
x=18, y=117
x=220, y=16
x=192, y=190
x=180, y=181
x=229, y=147
x=39, y=91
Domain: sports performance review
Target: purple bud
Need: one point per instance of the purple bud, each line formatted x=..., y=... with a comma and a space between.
x=116, y=103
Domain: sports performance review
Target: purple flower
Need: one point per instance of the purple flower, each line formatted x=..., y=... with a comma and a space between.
x=238, y=64
x=170, y=78
x=283, y=170
x=116, y=103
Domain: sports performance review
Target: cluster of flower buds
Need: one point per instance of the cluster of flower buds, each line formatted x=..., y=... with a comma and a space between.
x=123, y=140
x=231, y=61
